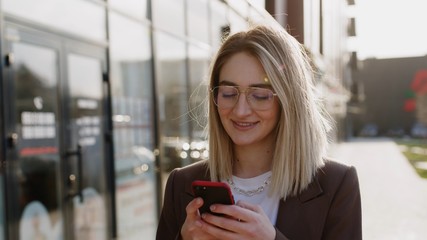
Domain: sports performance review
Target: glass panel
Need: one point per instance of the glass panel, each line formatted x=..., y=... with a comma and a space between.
x=241, y=6
x=258, y=3
x=237, y=23
x=135, y=8
x=172, y=99
x=83, y=18
x=197, y=22
x=169, y=15
x=255, y=16
x=132, y=94
x=37, y=169
x=198, y=72
x=2, y=209
x=219, y=22
x=86, y=130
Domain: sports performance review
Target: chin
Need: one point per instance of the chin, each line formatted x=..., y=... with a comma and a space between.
x=242, y=142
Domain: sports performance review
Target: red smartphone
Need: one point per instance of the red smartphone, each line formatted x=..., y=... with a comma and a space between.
x=212, y=192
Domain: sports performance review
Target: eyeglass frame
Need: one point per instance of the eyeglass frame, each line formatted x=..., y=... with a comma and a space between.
x=239, y=91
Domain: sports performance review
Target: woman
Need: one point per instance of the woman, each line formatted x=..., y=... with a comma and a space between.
x=267, y=140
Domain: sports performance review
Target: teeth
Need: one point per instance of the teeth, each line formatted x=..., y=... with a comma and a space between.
x=245, y=124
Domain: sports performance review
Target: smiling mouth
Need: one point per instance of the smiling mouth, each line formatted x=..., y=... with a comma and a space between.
x=244, y=124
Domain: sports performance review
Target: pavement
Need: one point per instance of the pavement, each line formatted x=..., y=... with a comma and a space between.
x=394, y=197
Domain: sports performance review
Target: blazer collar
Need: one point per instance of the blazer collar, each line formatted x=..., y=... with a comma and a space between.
x=292, y=205
x=312, y=191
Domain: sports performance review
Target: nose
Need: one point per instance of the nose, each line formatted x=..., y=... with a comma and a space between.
x=242, y=106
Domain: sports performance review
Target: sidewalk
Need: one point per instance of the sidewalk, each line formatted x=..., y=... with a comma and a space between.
x=394, y=197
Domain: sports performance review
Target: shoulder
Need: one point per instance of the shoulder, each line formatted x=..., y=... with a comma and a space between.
x=329, y=179
x=182, y=177
x=335, y=175
x=334, y=170
x=198, y=170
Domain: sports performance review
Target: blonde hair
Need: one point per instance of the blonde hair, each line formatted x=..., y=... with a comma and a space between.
x=302, y=129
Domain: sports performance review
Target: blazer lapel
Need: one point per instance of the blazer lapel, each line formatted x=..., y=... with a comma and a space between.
x=292, y=215
x=313, y=190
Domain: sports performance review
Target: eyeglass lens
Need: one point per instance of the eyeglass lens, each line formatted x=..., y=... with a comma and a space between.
x=258, y=98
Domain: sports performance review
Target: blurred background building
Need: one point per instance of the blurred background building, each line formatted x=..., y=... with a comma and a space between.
x=95, y=103
x=395, y=98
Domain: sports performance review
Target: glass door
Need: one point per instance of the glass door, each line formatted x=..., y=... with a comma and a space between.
x=33, y=154
x=56, y=124
x=84, y=138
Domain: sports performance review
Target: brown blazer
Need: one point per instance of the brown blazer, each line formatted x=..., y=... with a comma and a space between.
x=330, y=208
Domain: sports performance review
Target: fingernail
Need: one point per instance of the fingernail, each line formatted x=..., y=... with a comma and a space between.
x=212, y=208
x=198, y=224
x=203, y=215
x=199, y=201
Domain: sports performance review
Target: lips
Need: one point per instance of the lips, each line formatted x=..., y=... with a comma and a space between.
x=244, y=125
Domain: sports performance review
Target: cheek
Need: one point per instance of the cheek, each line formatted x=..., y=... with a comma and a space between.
x=271, y=117
x=275, y=114
x=223, y=113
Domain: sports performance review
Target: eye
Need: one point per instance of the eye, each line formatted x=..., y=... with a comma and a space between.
x=228, y=92
x=261, y=94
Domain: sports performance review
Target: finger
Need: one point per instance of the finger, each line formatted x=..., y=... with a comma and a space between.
x=231, y=211
x=192, y=223
x=249, y=206
x=242, y=211
x=219, y=226
x=192, y=208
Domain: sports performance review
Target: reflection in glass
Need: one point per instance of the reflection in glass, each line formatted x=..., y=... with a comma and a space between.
x=135, y=8
x=80, y=17
x=85, y=77
x=198, y=60
x=132, y=95
x=255, y=16
x=237, y=22
x=173, y=100
x=218, y=22
x=258, y=3
x=2, y=209
x=86, y=128
x=241, y=6
x=197, y=20
x=198, y=75
x=36, y=112
x=169, y=15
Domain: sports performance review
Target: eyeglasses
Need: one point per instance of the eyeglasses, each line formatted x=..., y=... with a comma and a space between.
x=226, y=97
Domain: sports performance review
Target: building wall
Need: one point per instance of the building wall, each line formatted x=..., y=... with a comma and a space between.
x=158, y=56
x=390, y=100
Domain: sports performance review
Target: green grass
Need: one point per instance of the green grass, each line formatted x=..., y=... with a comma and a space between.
x=415, y=150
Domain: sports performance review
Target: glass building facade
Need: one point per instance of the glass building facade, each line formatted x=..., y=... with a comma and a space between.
x=95, y=109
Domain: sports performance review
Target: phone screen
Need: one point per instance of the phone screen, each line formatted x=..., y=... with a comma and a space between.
x=212, y=192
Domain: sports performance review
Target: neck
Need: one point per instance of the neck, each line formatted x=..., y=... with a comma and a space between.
x=252, y=161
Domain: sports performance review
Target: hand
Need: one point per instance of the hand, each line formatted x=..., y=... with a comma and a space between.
x=192, y=227
x=243, y=221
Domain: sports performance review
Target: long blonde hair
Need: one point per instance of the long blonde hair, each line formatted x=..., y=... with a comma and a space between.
x=302, y=129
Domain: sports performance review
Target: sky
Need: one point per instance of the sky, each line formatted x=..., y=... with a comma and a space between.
x=390, y=28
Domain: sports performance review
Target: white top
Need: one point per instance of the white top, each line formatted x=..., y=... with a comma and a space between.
x=270, y=204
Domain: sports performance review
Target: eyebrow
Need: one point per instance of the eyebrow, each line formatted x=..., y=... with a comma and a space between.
x=229, y=83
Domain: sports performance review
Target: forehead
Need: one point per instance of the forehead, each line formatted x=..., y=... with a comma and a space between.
x=242, y=69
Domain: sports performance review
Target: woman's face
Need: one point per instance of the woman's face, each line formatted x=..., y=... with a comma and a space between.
x=245, y=125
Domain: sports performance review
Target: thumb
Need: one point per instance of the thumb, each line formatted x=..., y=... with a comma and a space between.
x=192, y=208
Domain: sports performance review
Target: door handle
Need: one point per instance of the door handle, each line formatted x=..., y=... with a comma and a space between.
x=72, y=177
x=12, y=140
